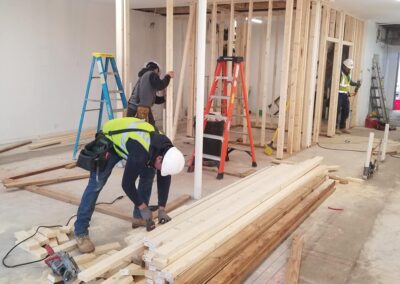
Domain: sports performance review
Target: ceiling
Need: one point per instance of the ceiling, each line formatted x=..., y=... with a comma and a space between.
x=380, y=11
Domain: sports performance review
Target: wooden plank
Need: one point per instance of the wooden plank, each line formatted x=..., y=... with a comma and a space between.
x=261, y=217
x=132, y=269
x=107, y=247
x=294, y=262
x=40, y=170
x=337, y=63
x=62, y=238
x=246, y=261
x=284, y=77
x=15, y=146
x=68, y=246
x=192, y=63
x=84, y=258
x=46, y=181
x=208, y=267
x=213, y=53
x=321, y=75
x=169, y=66
x=43, y=144
x=182, y=73
x=267, y=58
x=312, y=75
x=302, y=79
x=295, y=64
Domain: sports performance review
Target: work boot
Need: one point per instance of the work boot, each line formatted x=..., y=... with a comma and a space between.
x=138, y=222
x=85, y=245
x=344, y=130
x=338, y=131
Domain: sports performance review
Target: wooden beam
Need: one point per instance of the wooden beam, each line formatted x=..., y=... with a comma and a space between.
x=295, y=64
x=312, y=75
x=321, y=74
x=45, y=181
x=169, y=66
x=284, y=78
x=182, y=73
x=192, y=90
x=267, y=61
x=337, y=63
x=294, y=262
x=213, y=53
x=302, y=79
x=15, y=145
x=40, y=170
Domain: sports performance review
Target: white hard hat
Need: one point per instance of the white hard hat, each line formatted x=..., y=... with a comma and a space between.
x=173, y=162
x=349, y=63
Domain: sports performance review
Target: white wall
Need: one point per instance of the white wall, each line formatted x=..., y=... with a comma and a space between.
x=370, y=47
x=390, y=74
x=46, y=50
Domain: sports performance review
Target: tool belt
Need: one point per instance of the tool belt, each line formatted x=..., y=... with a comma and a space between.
x=142, y=112
x=95, y=155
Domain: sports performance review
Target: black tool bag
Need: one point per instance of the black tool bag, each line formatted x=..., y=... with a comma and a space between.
x=95, y=155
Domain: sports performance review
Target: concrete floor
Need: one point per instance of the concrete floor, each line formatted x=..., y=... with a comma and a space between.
x=356, y=245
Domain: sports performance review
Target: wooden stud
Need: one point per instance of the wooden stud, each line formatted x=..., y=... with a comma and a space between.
x=39, y=171
x=267, y=61
x=15, y=145
x=46, y=181
x=337, y=63
x=192, y=91
x=213, y=53
x=183, y=74
x=169, y=66
x=295, y=64
x=294, y=262
x=309, y=99
x=321, y=74
x=284, y=78
x=106, y=248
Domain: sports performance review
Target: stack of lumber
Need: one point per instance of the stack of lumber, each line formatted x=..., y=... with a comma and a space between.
x=223, y=237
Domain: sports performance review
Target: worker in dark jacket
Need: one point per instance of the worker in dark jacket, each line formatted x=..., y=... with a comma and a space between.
x=144, y=95
x=142, y=148
x=343, y=108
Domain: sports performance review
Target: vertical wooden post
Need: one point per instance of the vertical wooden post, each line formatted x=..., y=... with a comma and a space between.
x=265, y=74
x=183, y=74
x=321, y=74
x=311, y=82
x=231, y=36
x=337, y=63
x=302, y=78
x=294, y=74
x=192, y=91
x=284, y=78
x=170, y=66
x=213, y=53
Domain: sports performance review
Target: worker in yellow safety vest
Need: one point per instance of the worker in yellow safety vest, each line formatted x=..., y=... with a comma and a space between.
x=142, y=147
x=343, y=108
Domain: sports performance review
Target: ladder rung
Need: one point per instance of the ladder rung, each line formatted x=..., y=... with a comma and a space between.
x=221, y=97
x=92, y=109
x=211, y=157
x=215, y=116
x=115, y=91
x=95, y=100
x=215, y=137
x=119, y=110
x=95, y=77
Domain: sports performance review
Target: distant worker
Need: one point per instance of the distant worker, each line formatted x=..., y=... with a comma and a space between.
x=144, y=94
x=343, y=108
x=142, y=148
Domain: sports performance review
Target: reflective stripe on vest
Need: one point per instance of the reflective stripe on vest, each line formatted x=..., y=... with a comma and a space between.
x=121, y=139
x=344, y=86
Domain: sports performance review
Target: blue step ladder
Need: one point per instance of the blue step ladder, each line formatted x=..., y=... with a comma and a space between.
x=103, y=61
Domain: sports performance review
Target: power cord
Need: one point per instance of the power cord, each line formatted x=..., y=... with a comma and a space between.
x=348, y=150
x=49, y=227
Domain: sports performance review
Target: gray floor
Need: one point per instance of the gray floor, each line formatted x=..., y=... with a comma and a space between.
x=360, y=244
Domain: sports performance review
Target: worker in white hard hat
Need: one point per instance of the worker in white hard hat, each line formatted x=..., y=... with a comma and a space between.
x=142, y=147
x=343, y=108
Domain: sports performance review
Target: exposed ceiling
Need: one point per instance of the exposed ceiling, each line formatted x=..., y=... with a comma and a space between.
x=380, y=11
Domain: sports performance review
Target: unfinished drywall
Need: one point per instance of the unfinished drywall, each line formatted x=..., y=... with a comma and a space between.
x=390, y=74
x=370, y=47
x=46, y=52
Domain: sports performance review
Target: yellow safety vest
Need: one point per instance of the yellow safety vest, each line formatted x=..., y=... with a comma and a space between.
x=119, y=140
x=344, y=86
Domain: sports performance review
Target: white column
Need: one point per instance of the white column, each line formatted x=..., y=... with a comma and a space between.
x=368, y=157
x=200, y=71
x=384, y=142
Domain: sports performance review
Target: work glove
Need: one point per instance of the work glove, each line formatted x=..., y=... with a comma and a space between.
x=163, y=217
x=358, y=84
x=142, y=112
x=148, y=217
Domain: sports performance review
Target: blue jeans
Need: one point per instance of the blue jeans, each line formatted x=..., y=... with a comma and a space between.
x=96, y=184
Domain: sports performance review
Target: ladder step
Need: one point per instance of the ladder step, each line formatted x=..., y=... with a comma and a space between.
x=95, y=77
x=211, y=116
x=211, y=157
x=220, y=97
x=115, y=91
x=215, y=137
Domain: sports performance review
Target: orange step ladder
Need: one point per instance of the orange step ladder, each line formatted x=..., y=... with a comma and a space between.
x=227, y=106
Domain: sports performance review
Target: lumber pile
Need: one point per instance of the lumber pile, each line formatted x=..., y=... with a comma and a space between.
x=223, y=237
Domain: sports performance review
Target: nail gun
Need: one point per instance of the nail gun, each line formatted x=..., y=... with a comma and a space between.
x=62, y=264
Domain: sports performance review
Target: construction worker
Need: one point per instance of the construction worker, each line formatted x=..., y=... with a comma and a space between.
x=343, y=108
x=144, y=95
x=143, y=147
